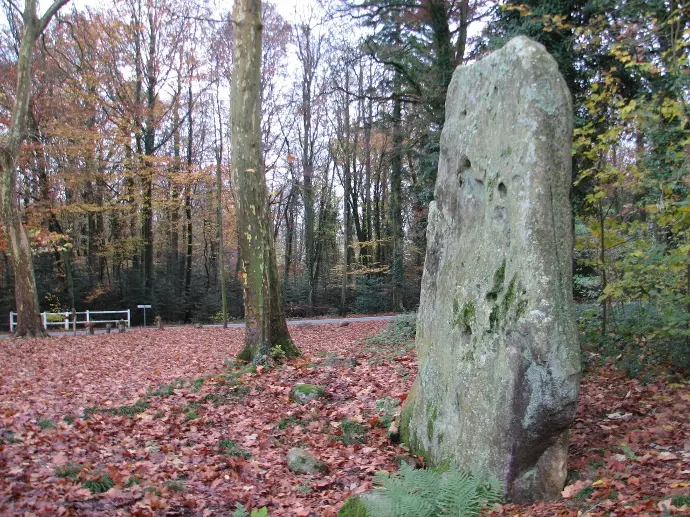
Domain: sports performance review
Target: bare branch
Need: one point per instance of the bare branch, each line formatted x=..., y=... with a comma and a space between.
x=48, y=15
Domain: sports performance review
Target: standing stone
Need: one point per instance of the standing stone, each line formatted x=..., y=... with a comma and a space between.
x=499, y=361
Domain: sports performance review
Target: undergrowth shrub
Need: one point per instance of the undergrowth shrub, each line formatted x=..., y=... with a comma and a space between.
x=635, y=341
x=400, y=331
x=371, y=294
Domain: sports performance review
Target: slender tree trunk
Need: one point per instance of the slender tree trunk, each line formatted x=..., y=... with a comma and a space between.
x=308, y=172
x=149, y=150
x=397, y=266
x=25, y=292
x=346, y=244
x=289, y=234
x=367, y=174
x=188, y=256
x=265, y=321
x=219, y=222
x=188, y=207
x=602, y=262
x=174, y=258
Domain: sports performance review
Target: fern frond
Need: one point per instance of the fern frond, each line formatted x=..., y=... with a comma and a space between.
x=458, y=495
x=446, y=492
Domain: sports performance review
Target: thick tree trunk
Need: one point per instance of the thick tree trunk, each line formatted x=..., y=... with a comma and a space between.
x=26, y=295
x=265, y=321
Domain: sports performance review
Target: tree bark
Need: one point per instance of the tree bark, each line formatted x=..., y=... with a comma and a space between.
x=266, y=326
x=26, y=295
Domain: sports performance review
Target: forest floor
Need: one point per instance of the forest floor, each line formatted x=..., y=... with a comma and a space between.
x=163, y=423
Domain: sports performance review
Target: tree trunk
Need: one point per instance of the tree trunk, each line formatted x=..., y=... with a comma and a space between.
x=308, y=168
x=26, y=295
x=149, y=150
x=397, y=266
x=219, y=222
x=265, y=321
x=289, y=234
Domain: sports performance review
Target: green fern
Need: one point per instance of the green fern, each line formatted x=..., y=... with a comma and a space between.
x=241, y=511
x=431, y=493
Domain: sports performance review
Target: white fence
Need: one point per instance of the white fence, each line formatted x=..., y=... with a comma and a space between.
x=89, y=317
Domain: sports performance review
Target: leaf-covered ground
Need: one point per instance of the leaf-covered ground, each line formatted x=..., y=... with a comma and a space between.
x=159, y=423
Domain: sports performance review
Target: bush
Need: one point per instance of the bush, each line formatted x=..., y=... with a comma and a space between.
x=401, y=330
x=635, y=340
x=372, y=295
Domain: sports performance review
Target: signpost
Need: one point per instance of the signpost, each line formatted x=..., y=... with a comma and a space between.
x=144, y=307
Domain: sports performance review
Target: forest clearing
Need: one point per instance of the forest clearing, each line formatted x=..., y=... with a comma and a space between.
x=159, y=423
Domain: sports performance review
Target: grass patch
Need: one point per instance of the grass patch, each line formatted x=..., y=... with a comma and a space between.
x=230, y=448
x=584, y=494
x=197, y=384
x=100, y=484
x=69, y=470
x=175, y=485
x=131, y=481
x=167, y=390
x=352, y=432
x=680, y=500
x=400, y=331
x=8, y=437
x=291, y=421
x=228, y=395
x=45, y=423
x=158, y=415
x=68, y=419
x=388, y=409
x=138, y=407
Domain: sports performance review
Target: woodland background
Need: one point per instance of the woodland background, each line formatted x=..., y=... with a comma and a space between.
x=127, y=159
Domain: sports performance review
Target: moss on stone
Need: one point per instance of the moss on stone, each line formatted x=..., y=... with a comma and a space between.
x=466, y=316
x=509, y=298
x=353, y=507
x=303, y=393
x=406, y=414
x=494, y=317
x=499, y=279
x=431, y=416
x=521, y=308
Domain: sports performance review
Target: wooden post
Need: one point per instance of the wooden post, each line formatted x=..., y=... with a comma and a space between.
x=159, y=323
x=108, y=328
x=121, y=327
